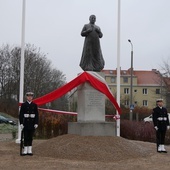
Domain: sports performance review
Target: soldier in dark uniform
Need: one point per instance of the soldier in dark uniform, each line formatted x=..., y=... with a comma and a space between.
x=28, y=118
x=161, y=124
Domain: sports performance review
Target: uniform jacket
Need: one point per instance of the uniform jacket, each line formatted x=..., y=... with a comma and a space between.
x=28, y=115
x=160, y=118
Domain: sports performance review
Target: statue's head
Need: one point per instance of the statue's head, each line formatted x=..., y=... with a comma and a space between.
x=92, y=19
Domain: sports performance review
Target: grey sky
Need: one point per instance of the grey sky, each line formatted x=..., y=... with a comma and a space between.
x=55, y=26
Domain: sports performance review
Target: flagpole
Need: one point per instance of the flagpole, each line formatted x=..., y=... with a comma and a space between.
x=22, y=65
x=118, y=67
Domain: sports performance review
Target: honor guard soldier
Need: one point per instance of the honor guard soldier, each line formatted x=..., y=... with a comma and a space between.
x=28, y=118
x=161, y=124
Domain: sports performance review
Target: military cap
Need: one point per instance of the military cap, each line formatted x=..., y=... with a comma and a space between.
x=159, y=100
x=29, y=94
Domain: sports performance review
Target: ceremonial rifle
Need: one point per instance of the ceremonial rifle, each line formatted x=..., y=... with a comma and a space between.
x=22, y=142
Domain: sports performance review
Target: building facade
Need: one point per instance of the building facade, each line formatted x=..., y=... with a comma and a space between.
x=147, y=86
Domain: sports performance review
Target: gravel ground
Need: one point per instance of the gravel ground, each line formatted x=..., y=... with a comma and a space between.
x=5, y=137
x=84, y=153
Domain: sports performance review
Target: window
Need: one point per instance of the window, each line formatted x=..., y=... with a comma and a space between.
x=135, y=90
x=113, y=80
x=126, y=102
x=158, y=91
x=126, y=90
x=145, y=103
x=125, y=79
x=145, y=91
x=136, y=102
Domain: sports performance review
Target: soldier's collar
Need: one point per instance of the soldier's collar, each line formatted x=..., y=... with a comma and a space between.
x=29, y=102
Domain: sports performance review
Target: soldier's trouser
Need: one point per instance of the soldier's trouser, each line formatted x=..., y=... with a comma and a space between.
x=28, y=137
x=160, y=137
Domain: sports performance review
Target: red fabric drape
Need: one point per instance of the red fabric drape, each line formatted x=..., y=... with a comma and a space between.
x=84, y=77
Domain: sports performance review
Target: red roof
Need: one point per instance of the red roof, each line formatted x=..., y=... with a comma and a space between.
x=143, y=77
x=148, y=77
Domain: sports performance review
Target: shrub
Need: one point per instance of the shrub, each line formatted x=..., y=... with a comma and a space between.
x=139, y=113
x=139, y=130
x=52, y=124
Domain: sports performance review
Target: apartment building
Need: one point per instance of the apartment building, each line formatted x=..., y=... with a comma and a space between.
x=147, y=86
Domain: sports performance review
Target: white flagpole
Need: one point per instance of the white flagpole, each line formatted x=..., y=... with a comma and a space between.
x=22, y=65
x=118, y=67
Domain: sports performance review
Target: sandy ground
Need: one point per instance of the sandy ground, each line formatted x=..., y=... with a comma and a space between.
x=84, y=153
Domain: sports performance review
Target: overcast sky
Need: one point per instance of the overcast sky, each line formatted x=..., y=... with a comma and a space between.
x=55, y=26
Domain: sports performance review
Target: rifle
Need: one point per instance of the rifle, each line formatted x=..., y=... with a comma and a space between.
x=22, y=142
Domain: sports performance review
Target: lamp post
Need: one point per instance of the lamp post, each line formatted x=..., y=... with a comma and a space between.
x=161, y=84
x=131, y=82
x=162, y=75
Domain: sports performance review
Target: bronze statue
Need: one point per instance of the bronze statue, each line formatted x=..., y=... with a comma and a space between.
x=92, y=58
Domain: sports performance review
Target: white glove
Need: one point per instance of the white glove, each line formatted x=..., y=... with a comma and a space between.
x=168, y=127
x=156, y=128
x=35, y=126
x=22, y=126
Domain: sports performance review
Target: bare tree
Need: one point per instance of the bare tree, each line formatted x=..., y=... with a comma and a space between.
x=6, y=75
x=165, y=81
x=165, y=68
x=39, y=76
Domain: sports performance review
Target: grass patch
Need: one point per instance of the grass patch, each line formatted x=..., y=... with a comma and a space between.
x=8, y=128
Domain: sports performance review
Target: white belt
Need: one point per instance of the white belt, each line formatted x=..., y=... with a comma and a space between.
x=26, y=115
x=29, y=115
x=162, y=118
x=32, y=115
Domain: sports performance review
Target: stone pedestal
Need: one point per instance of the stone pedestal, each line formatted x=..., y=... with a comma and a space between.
x=91, y=114
x=92, y=128
x=90, y=104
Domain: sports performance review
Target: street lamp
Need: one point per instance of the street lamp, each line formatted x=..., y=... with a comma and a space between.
x=131, y=82
x=162, y=75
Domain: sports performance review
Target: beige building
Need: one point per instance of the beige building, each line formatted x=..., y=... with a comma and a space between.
x=147, y=86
